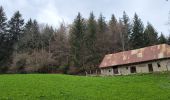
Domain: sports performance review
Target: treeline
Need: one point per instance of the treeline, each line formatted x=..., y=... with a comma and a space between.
x=76, y=48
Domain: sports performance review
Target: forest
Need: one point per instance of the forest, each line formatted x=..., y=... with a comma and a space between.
x=76, y=48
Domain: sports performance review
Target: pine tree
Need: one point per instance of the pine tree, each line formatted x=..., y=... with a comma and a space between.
x=36, y=36
x=150, y=35
x=31, y=40
x=3, y=24
x=59, y=47
x=102, y=24
x=77, y=41
x=115, y=39
x=113, y=24
x=90, y=39
x=162, y=39
x=24, y=43
x=47, y=35
x=15, y=33
x=31, y=37
x=126, y=30
x=136, y=37
x=4, y=49
x=102, y=36
x=16, y=27
x=91, y=32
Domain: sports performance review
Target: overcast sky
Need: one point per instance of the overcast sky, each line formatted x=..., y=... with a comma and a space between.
x=54, y=12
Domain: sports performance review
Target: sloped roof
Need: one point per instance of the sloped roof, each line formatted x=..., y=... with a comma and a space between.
x=138, y=55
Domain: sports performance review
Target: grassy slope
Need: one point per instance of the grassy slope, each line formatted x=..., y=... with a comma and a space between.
x=64, y=87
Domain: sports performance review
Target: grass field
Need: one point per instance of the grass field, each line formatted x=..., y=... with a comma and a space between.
x=65, y=87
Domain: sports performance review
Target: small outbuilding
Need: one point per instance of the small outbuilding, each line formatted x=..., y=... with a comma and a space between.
x=144, y=60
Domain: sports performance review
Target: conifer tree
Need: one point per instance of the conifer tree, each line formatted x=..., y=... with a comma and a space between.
x=36, y=36
x=77, y=41
x=31, y=37
x=126, y=30
x=136, y=37
x=91, y=32
x=90, y=39
x=115, y=39
x=3, y=24
x=162, y=39
x=59, y=47
x=47, y=35
x=24, y=43
x=150, y=35
x=16, y=27
x=102, y=24
x=4, y=53
x=102, y=37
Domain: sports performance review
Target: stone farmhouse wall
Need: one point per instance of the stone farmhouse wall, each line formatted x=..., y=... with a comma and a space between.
x=157, y=66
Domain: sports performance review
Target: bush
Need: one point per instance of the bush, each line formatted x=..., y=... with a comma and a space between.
x=21, y=63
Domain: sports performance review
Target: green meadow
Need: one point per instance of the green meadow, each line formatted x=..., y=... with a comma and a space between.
x=67, y=87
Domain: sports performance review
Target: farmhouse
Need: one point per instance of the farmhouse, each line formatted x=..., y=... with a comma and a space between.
x=144, y=60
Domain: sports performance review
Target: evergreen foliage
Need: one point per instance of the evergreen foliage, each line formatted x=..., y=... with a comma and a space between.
x=150, y=35
x=162, y=39
x=75, y=48
x=4, y=47
x=77, y=41
x=136, y=37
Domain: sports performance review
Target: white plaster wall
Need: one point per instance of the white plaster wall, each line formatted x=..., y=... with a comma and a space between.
x=108, y=71
x=140, y=68
x=124, y=70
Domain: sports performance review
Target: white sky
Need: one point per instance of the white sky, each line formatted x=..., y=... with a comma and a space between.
x=54, y=12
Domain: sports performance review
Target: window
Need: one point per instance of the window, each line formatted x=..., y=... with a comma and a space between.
x=127, y=68
x=115, y=70
x=133, y=69
x=150, y=67
x=158, y=64
x=109, y=70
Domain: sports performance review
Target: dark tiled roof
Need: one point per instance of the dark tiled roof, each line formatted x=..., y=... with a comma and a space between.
x=138, y=55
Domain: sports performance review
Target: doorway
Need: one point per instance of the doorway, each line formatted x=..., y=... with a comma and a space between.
x=115, y=70
x=133, y=69
x=150, y=67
